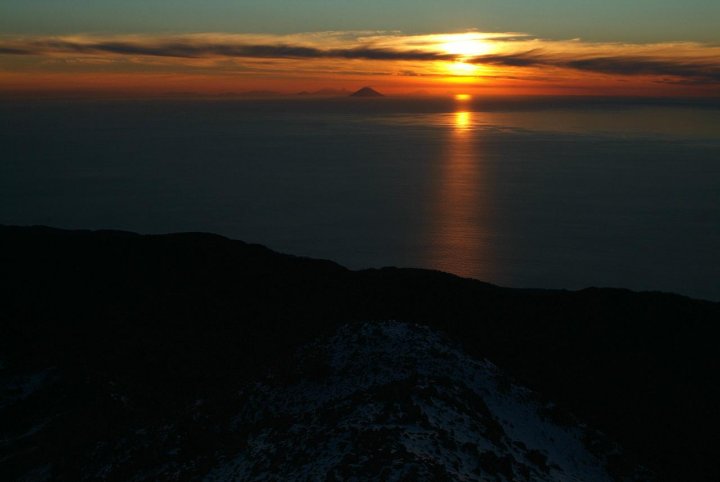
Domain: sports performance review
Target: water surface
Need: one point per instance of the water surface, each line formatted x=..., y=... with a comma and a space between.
x=541, y=193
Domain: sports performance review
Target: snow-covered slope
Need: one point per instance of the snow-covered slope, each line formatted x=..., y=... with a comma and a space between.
x=396, y=401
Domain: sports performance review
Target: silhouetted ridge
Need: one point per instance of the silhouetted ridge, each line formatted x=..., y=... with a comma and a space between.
x=140, y=350
x=366, y=92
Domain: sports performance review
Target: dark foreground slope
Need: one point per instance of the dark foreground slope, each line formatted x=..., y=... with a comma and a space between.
x=397, y=401
x=101, y=331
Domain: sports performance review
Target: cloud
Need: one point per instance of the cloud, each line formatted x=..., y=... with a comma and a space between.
x=17, y=51
x=699, y=70
x=680, y=62
x=193, y=48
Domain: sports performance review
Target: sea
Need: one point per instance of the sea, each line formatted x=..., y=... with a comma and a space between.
x=527, y=192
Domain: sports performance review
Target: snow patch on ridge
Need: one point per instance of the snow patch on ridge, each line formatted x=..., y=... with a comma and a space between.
x=397, y=401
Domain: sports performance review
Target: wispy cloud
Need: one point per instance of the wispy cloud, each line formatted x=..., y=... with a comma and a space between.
x=698, y=69
x=691, y=63
x=190, y=49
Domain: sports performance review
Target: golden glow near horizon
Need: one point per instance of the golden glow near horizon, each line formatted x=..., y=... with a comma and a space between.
x=491, y=63
x=463, y=115
x=462, y=68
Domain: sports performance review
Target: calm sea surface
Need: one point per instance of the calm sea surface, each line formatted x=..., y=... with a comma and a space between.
x=527, y=193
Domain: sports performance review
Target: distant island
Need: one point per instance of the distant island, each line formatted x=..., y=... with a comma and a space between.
x=366, y=92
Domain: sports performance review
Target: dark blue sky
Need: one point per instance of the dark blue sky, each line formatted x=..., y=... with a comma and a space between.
x=607, y=20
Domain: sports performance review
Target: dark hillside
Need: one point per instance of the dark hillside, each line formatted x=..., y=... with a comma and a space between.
x=168, y=317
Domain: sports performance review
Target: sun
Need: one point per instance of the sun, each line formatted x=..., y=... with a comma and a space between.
x=464, y=47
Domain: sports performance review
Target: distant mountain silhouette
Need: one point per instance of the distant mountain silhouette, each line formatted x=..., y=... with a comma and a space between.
x=325, y=92
x=366, y=92
x=229, y=94
x=253, y=93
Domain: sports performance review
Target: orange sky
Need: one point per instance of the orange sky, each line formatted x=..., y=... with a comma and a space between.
x=472, y=62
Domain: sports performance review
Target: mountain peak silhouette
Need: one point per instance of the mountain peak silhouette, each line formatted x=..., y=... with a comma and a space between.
x=366, y=92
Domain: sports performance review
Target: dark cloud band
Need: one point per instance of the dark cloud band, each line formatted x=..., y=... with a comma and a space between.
x=695, y=71
x=700, y=71
x=203, y=50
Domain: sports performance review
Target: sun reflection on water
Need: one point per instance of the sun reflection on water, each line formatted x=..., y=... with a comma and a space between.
x=462, y=120
x=460, y=222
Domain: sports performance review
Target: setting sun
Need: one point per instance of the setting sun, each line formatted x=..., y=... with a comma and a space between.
x=464, y=47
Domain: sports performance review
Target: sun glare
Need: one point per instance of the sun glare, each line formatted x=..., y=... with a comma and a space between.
x=463, y=97
x=466, y=47
x=462, y=68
